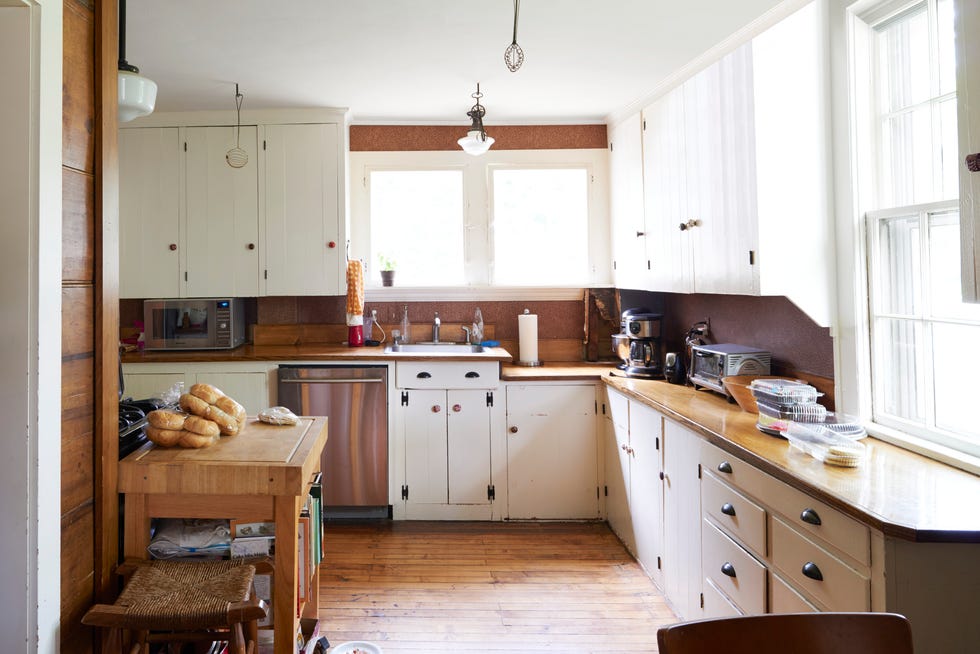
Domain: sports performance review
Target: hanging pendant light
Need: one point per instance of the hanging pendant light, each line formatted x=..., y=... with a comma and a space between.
x=137, y=94
x=236, y=157
x=476, y=141
x=513, y=55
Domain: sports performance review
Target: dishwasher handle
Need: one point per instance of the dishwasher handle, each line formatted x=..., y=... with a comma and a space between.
x=336, y=380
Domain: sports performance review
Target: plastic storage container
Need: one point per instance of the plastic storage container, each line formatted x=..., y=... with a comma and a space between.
x=826, y=445
x=778, y=392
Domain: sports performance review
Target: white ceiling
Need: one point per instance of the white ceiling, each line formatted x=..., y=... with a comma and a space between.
x=400, y=61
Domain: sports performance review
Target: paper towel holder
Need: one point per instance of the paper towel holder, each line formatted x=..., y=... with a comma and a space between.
x=533, y=363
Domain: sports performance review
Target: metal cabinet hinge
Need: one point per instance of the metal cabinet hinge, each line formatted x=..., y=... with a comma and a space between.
x=702, y=600
x=489, y=398
x=265, y=274
x=644, y=124
x=605, y=491
x=658, y=563
x=597, y=492
x=185, y=275
x=751, y=257
x=404, y=398
x=491, y=493
x=610, y=146
x=658, y=442
x=404, y=491
x=263, y=144
x=614, y=265
x=699, y=471
x=648, y=264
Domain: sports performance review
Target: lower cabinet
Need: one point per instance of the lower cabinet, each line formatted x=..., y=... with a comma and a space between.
x=552, y=458
x=248, y=383
x=682, y=520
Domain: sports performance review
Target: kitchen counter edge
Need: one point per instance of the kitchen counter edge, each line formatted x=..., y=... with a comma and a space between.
x=311, y=352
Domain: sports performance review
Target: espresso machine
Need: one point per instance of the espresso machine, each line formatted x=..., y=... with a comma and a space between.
x=638, y=343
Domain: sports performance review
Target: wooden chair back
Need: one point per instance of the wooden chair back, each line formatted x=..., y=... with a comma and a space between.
x=802, y=633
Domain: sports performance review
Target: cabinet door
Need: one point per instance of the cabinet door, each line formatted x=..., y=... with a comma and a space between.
x=551, y=452
x=143, y=385
x=304, y=252
x=646, y=488
x=626, y=203
x=221, y=251
x=682, y=520
x=426, y=451
x=250, y=389
x=616, y=463
x=468, y=434
x=149, y=213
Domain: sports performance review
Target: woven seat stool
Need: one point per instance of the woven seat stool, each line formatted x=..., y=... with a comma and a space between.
x=183, y=601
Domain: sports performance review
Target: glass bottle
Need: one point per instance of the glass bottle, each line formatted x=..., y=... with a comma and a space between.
x=477, y=333
x=406, y=327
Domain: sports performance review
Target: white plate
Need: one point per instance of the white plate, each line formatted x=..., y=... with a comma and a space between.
x=351, y=646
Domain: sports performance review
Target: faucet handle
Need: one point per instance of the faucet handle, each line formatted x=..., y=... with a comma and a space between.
x=466, y=333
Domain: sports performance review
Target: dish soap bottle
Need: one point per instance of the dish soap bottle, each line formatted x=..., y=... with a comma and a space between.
x=477, y=326
x=406, y=327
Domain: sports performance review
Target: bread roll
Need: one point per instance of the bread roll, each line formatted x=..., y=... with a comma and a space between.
x=229, y=414
x=191, y=440
x=195, y=405
x=166, y=419
x=164, y=437
x=201, y=426
x=206, y=392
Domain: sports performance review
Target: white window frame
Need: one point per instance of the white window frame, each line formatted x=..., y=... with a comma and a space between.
x=854, y=157
x=478, y=218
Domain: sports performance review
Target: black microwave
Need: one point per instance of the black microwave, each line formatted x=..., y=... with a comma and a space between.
x=194, y=324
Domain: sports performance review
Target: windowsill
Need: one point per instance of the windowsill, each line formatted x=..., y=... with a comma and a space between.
x=470, y=293
x=926, y=448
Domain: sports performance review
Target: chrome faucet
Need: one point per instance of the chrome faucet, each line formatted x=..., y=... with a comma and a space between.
x=466, y=334
x=435, y=328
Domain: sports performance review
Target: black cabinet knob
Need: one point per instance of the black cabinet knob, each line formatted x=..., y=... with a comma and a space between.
x=423, y=375
x=811, y=570
x=728, y=509
x=472, y=375
x=725, y=467
x=728, y=570
x=811, y=517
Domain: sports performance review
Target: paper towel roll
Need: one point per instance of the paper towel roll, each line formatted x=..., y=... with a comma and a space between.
x=527, y=333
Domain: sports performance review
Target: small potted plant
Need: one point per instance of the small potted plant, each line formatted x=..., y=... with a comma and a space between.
x=387, y=270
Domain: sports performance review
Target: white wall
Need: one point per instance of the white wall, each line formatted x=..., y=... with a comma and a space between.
x=30, y=325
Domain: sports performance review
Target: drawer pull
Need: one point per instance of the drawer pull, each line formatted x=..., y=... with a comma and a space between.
x=725, y=467
x=728, y=570
x=810, y=516
x=472, y=375
x=811, y=570
x=728, y=509
x=423, y=375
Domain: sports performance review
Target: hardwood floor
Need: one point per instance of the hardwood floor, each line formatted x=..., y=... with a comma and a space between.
x=487, y=587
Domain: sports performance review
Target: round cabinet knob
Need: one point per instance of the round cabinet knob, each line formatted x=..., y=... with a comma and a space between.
x=811, y=570
x=725, y=467
x=332, y=244
x=662, y=476
x=436, y=408
x=513, y=429
x=728, y=509
x=173, y=246
x=457, y=408
x=811, y=517
x=728, y=570
x=251, y=246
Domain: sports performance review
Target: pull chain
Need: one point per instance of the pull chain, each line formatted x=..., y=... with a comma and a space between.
x=513, y=55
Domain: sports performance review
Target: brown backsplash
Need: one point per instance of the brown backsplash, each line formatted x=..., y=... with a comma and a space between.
x=507, y=137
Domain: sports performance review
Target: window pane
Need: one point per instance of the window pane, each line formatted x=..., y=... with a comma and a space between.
x=956, y=396
x=947, y=54
x=949, y=182
x=944, y=269
x=903, y=61
x=540, y=226
x=897, y=368
x=417, y=221
x=898, y=277
x=907, y=153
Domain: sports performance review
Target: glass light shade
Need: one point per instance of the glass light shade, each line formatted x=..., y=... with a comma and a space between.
x=473, y=144
x=137, y=96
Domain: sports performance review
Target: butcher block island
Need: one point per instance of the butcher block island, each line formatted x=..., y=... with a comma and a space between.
x=263, y=473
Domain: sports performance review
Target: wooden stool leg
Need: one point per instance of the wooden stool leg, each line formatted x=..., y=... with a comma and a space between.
x=236, y=642
x=252, y=632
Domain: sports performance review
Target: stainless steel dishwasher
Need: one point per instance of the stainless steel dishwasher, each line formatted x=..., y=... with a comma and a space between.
x=355, y=459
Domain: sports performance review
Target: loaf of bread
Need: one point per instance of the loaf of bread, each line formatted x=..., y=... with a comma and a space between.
x=202, y=426
x=209, y=402
x=191, y=440
x=164, y=437
x=166, y=419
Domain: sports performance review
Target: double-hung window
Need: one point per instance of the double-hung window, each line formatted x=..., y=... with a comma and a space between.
x=918, y=323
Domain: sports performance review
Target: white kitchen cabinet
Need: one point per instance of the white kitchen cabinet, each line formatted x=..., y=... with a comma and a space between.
x=248, y=383
x=630, y=263
x=646, y=488
x=682, y=520
x=967, y=26
x=735, y=173
x=552, y=459
x=616, y=467
x=149, y=213
x=304, y=242
x=449, y=435
x=221, y=239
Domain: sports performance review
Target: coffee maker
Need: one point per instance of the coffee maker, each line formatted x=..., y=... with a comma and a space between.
x=638, y=343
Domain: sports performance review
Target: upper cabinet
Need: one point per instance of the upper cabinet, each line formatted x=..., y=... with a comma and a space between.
x=304, y=234
x=735, y=175
x=191, y=225
x=967, y=17
x=630, y=264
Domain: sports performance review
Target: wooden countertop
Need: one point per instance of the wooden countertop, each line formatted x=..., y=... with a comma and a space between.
x=895, y=491
x=310, y=352
x=261, y=460
x=559, y=371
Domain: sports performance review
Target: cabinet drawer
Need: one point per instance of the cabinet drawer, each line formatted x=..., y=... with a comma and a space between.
x=741, y=517
x=732, y=470
x=455, y=374
x=716, y=605
x=784, y=599
x=733, y=570
x=618, y=409
x=818, y=573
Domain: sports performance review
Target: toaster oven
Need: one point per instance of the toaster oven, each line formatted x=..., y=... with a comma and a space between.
x=709, y=363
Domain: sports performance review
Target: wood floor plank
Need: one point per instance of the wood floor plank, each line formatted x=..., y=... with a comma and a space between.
x=416, y=587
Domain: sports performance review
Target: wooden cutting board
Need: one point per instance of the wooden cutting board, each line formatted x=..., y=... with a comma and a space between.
x=258, y=442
